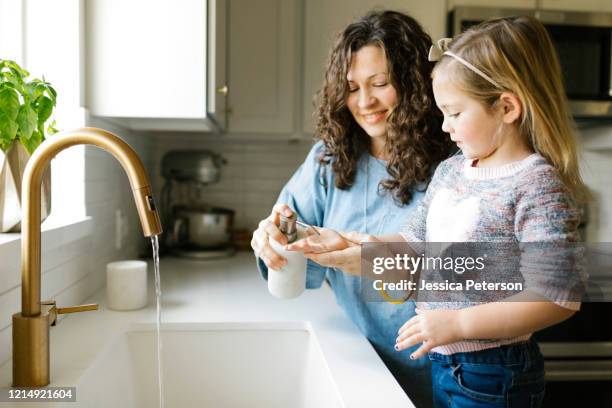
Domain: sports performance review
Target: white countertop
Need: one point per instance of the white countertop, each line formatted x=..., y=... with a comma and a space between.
x=229, y=290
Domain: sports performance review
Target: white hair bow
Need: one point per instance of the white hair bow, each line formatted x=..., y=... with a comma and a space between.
x=440, y=48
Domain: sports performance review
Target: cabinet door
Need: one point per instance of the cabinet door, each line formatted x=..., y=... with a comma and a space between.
x=146, y=58
x=577, y=5
x=324, y=18
x=516, y=4
x=263, y=38
x=217, y=62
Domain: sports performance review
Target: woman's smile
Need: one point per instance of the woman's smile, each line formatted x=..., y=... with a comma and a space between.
x=374, y=117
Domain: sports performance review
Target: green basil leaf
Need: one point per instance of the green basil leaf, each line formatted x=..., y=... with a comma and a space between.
x=9, y=102
x=44, y=106
x=27, y=119
x=5, y=145
x=51, y=129
x=13, y=66
x=8, y=128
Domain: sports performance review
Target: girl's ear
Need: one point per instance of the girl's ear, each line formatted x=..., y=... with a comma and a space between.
x=511, y=107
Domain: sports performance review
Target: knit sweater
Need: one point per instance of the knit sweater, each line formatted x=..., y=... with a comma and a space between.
x=524, y=201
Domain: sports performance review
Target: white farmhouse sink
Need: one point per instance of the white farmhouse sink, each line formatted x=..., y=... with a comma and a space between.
x=212, y=365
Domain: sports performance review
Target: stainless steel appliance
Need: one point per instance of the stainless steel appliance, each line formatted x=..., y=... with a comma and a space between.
x=201, y=227
x=578, y=352
x=196, y=229
x=583, y=41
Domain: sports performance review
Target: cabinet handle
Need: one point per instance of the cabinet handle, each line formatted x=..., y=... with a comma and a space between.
x=223, y=90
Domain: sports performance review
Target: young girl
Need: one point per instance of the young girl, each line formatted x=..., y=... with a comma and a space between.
x=499, y=88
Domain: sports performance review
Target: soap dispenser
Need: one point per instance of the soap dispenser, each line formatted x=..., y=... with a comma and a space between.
x=290, y=281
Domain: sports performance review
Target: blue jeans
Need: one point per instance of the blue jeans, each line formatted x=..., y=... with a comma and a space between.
x=507, y=376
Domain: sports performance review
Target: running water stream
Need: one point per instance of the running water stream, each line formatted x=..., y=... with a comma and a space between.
x=160, y=383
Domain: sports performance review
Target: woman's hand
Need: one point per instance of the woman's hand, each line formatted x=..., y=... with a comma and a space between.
x=432, y=328
x=333, y=249
x=268, y=228
x=325, y=241
x=348, y=260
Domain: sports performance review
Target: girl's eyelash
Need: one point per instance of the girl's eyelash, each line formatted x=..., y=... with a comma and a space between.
x=454, y=115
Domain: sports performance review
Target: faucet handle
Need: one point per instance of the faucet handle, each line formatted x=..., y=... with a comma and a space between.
x=79, y=308
x=53, y=310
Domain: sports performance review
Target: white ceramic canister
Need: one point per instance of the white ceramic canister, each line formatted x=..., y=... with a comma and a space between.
x=290, y=281
x=126, y=285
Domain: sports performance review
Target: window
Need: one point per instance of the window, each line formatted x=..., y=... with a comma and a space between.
x=45, y=37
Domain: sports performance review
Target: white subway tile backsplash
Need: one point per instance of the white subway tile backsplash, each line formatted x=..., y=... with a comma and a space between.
x=251, y=180
x=10, y=303
x=9, y=267
x=100, y=167
x=6, y=343
x=68, y=254
x=58, y=279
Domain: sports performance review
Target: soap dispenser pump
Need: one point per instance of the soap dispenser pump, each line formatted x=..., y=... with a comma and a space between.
x=289, y=281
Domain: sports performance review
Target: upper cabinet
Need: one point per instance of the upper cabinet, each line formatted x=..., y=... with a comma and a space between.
x=264, y=48
x=577, y=5
x=516, y=4
x=564, y=5
x=148, y=63
x=324, y=19
x=194, y=64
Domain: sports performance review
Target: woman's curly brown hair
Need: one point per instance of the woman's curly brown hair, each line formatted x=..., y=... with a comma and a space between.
x=415, y=141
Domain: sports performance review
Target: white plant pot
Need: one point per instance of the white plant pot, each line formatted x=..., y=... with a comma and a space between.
x=12, y=166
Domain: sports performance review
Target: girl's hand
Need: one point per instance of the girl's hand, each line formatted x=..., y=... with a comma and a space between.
x=432, y=328
x=327, y=240
x=268, y=228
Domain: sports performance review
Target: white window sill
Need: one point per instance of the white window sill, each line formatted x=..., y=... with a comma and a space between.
x=52, y=229
x=54, y=235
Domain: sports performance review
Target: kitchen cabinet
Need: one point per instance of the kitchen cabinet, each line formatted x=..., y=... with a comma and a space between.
x=149, y=66
x=264, y=49
x=194, y=65
x=564, y=5
x=577, y=5
x=527, y=4
x=323, y=19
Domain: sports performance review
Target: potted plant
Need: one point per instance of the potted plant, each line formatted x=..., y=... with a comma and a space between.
x=25, y=108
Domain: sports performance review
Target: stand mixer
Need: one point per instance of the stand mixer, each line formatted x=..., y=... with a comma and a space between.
x=195, y=229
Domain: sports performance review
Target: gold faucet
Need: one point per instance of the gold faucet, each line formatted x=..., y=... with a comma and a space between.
x=31, y=326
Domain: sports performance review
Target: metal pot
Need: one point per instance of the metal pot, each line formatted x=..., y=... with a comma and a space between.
x=202, y=228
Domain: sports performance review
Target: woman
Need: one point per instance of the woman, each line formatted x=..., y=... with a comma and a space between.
x=379, y=140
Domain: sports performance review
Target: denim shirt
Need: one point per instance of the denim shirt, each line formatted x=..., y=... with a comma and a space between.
x=311, y=193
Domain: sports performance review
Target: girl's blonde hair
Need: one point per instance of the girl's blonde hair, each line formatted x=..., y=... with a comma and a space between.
x=518, y=55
